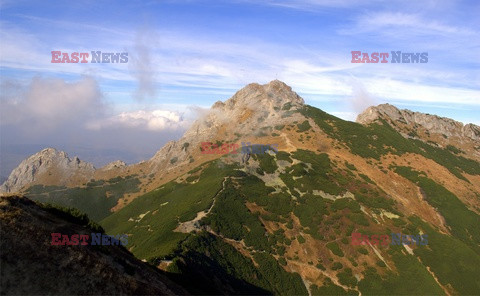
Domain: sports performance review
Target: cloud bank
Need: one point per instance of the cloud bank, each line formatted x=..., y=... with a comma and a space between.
x=74, y=116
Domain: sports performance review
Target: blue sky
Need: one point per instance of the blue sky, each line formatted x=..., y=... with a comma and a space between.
x=185, y=55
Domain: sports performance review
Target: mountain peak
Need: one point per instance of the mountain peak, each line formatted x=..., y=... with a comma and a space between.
x=277, y=84
x=50, y=152
x=268, y=97
x=114, y=165
x=274, y=85
x=39, y=168
x=246, y=113
x=250, y=108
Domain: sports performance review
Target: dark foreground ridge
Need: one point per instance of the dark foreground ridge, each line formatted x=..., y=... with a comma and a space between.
x=30, y=264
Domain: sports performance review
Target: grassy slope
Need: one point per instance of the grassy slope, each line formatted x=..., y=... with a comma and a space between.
x=91, y=199
x=376, y=140
x=459, y=253
x=153, y=235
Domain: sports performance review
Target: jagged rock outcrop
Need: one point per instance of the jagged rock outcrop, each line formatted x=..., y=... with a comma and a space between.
x=117, y=164
x=432, y=123
x=31, y=265
x=471, y=131
x=48, y=167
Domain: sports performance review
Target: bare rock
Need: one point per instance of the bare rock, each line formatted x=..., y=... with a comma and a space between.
x=117, y=164
x=248, y=111
x=48, y=166
x=433, y=123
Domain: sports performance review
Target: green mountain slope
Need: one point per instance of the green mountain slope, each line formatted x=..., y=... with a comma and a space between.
x=96, y=198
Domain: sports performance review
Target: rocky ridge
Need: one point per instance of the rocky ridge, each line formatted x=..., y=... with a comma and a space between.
x=433, y=123
x=433, y=129
x=53, y=167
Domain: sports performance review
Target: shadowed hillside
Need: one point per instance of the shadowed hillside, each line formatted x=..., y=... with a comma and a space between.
x=30, y=265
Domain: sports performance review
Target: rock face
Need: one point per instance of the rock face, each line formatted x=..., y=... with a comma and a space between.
x=48, y=166
x=31, y=265
x=432, y=123
x=471, y=131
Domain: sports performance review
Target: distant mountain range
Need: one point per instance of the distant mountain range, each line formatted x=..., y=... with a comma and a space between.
x=282, y=223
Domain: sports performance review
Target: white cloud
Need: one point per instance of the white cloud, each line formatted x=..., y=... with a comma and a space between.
x=47, y=105
x=360, y=99
x=155, y=120
x=350, y=116
x=72, y=116
x=48, y=102
x=312, y=5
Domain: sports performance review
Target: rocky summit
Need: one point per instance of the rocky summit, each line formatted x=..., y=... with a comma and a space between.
x=251, y=109
x=50, y=167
